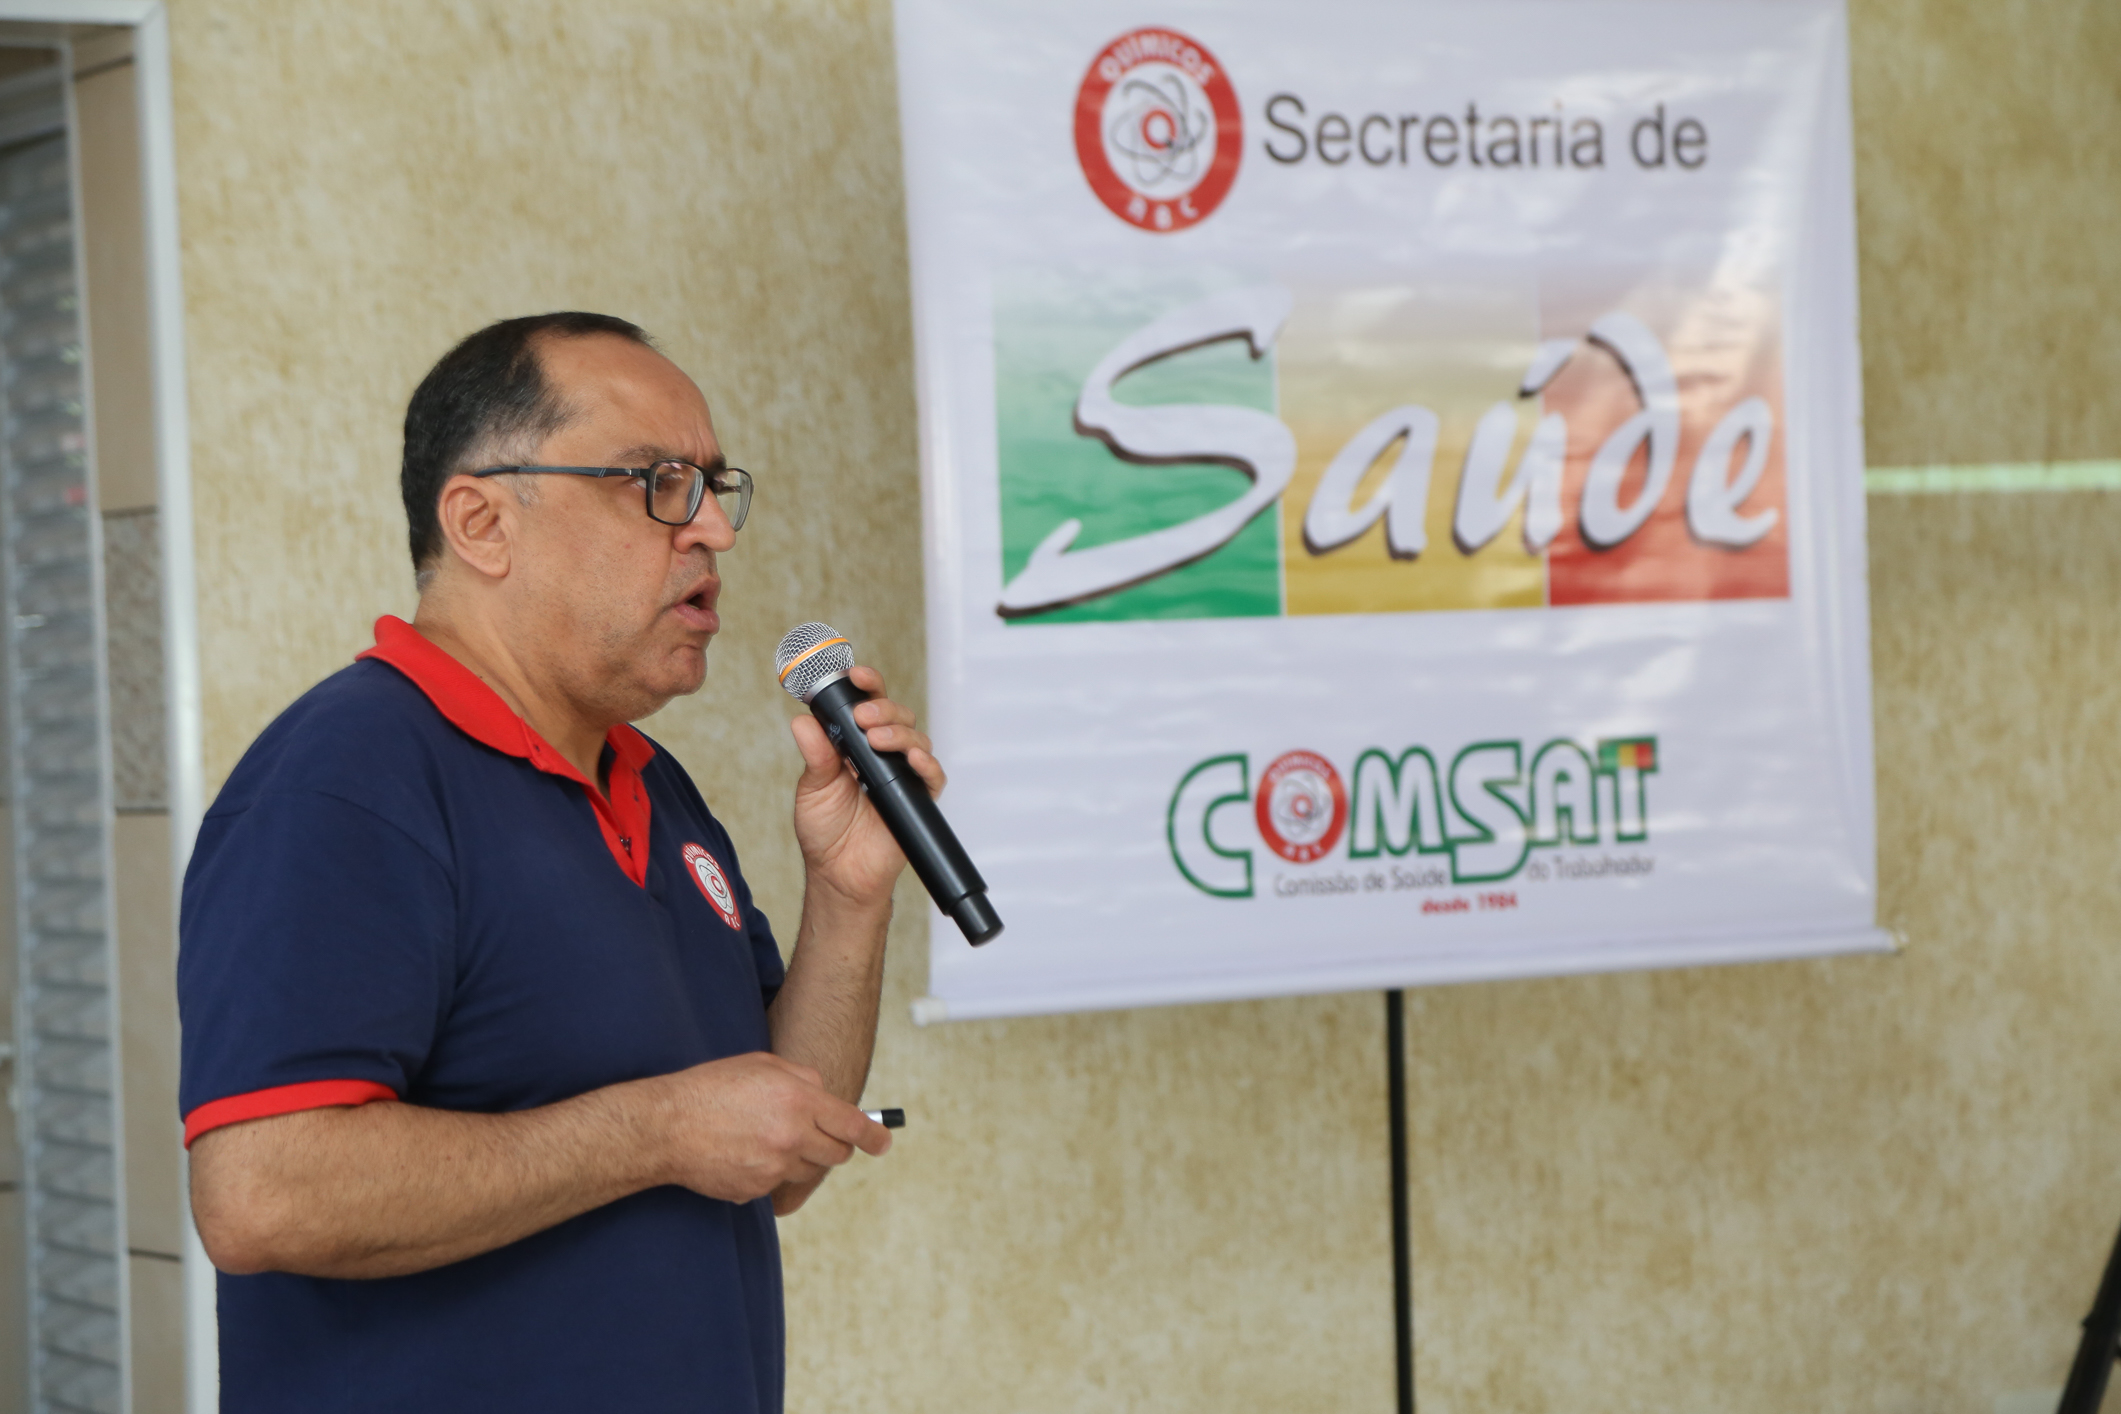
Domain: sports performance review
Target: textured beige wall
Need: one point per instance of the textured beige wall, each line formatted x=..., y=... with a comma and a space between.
x=1988, y=195
x=1867, y=1184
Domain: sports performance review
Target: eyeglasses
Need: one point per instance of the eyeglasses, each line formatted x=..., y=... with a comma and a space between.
x=674, y=489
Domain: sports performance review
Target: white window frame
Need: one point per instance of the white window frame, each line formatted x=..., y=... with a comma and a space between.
x=149, y=22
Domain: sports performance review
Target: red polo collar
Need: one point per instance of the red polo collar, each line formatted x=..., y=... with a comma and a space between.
x=477, y=710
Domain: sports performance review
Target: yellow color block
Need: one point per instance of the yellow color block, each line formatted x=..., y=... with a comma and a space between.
x=1352, y=353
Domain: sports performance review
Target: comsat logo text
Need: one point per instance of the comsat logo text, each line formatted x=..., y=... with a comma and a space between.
x=1482, y=814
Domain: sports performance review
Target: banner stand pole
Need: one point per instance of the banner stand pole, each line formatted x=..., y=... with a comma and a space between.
x=2096, y=1352
x=1402, y=1262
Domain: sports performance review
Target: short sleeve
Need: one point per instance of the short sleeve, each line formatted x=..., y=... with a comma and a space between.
x=765, y=952
x=758, y=932
x=316, y=959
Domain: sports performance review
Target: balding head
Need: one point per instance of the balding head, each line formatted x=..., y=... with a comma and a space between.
x=487, y=401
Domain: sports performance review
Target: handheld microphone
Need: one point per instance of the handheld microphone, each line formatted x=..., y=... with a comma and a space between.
x=813, y=661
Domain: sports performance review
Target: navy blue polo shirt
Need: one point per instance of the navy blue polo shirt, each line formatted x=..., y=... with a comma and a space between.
x=404, y=894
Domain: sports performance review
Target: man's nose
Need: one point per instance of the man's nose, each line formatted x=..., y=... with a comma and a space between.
x=709, y=527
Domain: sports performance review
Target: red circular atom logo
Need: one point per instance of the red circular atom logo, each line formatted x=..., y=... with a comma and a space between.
x=1157, y=129
x=1301, y=807
x=713, y=883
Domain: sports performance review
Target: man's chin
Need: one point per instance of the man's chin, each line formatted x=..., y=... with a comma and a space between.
x=684, y=673
x=640, y=693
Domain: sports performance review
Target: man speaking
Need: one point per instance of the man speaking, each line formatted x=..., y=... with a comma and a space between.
x=493, y=1078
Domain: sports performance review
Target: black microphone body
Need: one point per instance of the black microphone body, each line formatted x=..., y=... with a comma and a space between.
x=899, y=795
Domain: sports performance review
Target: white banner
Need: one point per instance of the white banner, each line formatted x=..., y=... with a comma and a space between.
x=1394, y=494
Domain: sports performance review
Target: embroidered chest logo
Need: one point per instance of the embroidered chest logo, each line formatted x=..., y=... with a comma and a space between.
x=713, y=883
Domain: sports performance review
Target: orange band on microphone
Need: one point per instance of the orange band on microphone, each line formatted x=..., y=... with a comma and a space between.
x=799, y=659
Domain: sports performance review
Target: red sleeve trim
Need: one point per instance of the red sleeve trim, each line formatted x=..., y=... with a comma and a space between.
x=282, y=1100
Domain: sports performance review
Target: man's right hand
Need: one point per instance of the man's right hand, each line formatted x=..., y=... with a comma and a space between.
x=742, y=1128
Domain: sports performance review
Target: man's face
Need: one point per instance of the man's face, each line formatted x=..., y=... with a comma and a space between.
x=620, y=606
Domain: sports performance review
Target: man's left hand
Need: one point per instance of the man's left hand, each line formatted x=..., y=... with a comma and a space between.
x=846, y=845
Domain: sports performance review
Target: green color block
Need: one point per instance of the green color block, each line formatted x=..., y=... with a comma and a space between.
x=1050, y=330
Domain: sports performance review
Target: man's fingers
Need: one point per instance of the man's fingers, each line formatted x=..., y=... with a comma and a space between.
x=893, y=730
x=825, y=1151
x=821, y=761
x=929, y=770
x=758, y=1123
x=897, y=736
x=850, y=1126
x=882, y=711
x=918, y=751
x=891, y=726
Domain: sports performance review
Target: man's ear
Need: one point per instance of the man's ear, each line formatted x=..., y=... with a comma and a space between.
x=478, y=519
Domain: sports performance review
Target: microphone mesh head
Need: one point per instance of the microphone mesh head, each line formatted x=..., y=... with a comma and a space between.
x=810, y=656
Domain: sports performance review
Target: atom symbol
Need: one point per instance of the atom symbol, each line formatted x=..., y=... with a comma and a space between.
x=1158, y=130
x=1301, y=806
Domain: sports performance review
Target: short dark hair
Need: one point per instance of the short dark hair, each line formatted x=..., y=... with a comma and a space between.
x=487, y=392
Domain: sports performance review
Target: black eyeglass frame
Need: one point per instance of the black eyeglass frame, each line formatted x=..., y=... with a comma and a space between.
x=700, y=484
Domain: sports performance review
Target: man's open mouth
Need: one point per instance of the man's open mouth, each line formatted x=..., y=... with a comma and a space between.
x=697, y=608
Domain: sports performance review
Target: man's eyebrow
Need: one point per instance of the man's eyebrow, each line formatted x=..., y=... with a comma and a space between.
x=650, y=453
